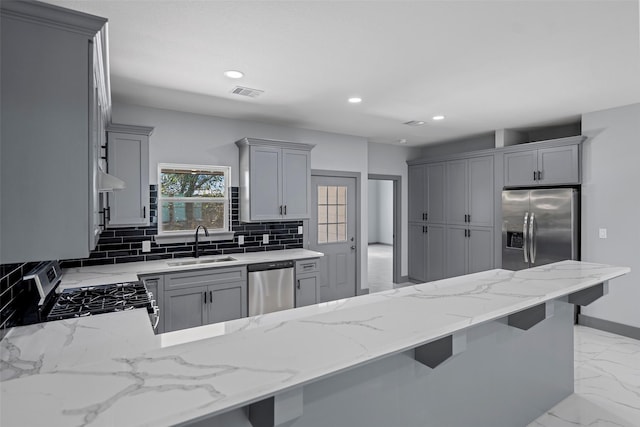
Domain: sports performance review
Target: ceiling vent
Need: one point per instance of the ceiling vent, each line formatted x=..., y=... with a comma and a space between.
x=245, y=91
x=414, y=123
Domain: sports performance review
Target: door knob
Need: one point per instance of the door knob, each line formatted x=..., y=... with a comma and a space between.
x=353, y=247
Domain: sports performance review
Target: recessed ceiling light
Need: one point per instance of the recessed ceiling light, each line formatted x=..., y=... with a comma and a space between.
x=402, y=141
x=233, y=74
x=355, y=100
x=438, y=117
x=414, y=123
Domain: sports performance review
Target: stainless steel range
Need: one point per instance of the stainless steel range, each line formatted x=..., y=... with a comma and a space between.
x=46, y=305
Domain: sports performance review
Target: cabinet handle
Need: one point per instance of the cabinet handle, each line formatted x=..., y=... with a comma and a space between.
x=426, y=216
x=468, y=233
x=211, y=296
x=307, y=266
x=535, y=175
x=280, y=209
x=298, y=283
x=205, y=296
x=465, y=232
x=539, y=175
x=285, y=209
x=144, y=212
x=469, y=218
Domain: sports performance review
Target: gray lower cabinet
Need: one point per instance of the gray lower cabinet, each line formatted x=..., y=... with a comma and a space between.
x=199, y=297
x=543, y=166
x=426, y=252
x=155, y=285
x=468, y=250
x=307, y=283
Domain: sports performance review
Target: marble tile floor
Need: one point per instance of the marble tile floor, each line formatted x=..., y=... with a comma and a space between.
x=607, y=383
x=380, y=265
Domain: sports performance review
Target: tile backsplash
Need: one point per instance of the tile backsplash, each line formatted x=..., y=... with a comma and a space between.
x=11, y=292
x=119, y=245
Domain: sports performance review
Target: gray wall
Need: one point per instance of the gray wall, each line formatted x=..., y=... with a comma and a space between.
x=198, y=139
x=480, y=142
x=380, y=211
x=611, y=200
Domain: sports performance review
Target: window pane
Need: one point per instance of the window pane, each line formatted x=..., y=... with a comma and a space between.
x=322, y=233
x=322, y=195
x=332, y=195
x=322, y=214
x=189, y=215
x=342, y=195
x=192, y=183
x=342, y=214
x=332, y=232
x=332, y=214
x=342, y=232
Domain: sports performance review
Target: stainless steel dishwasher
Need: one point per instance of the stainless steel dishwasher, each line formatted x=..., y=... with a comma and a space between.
x=270, y=287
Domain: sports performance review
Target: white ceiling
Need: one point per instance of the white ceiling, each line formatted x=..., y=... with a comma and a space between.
x=485, y=65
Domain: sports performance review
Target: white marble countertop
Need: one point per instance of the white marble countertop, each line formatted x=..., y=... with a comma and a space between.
x=249, y=359
x=128, y=272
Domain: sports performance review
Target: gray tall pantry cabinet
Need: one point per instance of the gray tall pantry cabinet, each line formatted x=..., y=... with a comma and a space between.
x=451, y=217
x=275, y=180
x=54, y=104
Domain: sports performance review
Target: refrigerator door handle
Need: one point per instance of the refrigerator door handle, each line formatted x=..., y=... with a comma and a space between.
x=524, y=235
x=532, y=238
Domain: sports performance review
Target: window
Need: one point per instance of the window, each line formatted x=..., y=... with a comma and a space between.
x=192, y=195
x=332, y=214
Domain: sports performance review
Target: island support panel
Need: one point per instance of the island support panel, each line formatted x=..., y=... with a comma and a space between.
x=501, y=376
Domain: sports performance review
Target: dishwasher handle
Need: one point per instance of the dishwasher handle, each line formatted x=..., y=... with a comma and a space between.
x=276, y=265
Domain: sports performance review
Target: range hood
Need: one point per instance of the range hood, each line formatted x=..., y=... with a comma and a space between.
x=107, y=183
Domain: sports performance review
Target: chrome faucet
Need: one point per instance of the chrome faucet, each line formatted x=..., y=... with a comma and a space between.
x=196, y=252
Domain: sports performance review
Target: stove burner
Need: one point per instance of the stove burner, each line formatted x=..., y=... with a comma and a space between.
x=90, y=300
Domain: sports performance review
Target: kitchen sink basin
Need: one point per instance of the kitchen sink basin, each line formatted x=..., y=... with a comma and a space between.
x=199, y=261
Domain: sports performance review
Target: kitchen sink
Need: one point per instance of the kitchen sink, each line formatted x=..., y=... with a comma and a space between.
x=199, y=261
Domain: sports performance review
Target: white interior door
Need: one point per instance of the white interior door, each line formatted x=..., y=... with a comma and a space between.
x=332, y=231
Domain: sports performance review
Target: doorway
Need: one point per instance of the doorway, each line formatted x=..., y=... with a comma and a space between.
x=333, y=230
x=384, y=232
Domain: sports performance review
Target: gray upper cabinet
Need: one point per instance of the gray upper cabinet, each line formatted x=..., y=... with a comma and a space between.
x=426, y=193
x=275, y=180
x=470, y=191
x=128, y=159
x=53, y=71
x=543, y=166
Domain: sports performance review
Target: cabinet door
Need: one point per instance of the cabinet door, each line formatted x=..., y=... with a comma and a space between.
x=481, y=190
x=129, y=161
x=227, y=302
x=417, y=193
x=480, y=249
x=559, y=165
x=185, y=308
x=519, y=168
x=296, y=184
x=456, y=251
x=306, y=290
x=456, y=195
x=435, y=193
x=417, y=252
x=435, y=252
x=265, y=183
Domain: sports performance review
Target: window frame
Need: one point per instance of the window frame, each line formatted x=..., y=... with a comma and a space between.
x=226, y=201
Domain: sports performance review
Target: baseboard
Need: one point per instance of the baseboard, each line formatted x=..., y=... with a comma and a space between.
x=363, y=292
x=381, y=243
x=609, y=326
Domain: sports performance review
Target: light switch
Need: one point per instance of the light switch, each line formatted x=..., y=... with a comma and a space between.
x=146, y=246
x=602, y=233
x=241, y=240
x=300, y=229
x=265, y=238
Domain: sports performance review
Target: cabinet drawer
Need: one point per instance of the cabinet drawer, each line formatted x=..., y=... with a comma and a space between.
x=307, y=266
x=185, y=279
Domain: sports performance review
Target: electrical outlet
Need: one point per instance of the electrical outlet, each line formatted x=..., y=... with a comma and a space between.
x=146, y=246
x=241, y=240
x=265, y=239
x=602, y=233
x=300, y=229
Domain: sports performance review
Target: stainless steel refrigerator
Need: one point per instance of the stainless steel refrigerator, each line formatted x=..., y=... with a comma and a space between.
x=539, y=226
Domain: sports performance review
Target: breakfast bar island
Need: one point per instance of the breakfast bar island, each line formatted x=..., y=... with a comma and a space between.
x=488, y=349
